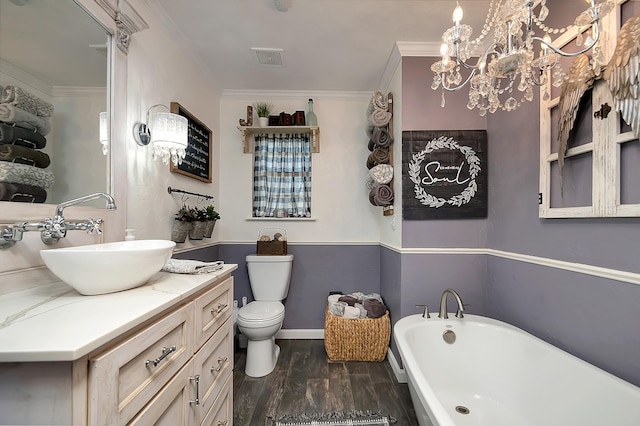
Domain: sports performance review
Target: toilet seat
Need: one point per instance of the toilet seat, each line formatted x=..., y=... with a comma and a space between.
x=260, y=314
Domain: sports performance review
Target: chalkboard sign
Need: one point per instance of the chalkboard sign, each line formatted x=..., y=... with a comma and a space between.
x=197, y=163
x=444, y=174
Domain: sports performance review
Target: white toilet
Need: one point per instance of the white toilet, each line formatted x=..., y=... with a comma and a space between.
x=261, y=319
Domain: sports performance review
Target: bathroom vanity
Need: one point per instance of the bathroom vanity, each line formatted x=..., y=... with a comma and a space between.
x=161, y=353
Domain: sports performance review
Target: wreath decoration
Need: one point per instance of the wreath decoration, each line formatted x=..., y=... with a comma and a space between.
x=457, y=200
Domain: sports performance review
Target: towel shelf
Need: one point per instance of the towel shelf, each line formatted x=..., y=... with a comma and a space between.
x=249, y=132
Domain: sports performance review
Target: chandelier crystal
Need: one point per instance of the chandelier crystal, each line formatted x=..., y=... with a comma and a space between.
x=503, y=77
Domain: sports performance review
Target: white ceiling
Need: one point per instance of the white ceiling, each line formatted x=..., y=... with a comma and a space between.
x=329, y=45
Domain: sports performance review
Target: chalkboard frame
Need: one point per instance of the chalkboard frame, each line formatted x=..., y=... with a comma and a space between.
x=182, y=169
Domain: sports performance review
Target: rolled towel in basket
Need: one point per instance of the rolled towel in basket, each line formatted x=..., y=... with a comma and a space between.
x=19, y=117
x=334, y=297
x=381, y=195
x=375, y=308
x=363, y=311
x=381, y=174
x=351, y=312
x=19, y=136
x=337, y=308
x=349, y=300
x=381, y=137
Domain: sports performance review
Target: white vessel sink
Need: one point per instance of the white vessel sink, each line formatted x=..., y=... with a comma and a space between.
x=109, y=267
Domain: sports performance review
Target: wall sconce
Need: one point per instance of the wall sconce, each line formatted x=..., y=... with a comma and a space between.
x=166, y=132
x=104, y=132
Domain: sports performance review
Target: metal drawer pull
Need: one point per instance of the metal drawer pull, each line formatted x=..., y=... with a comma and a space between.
x=195, y=379
x=221, y=362
x=223, y=422
x=165, y=353
x=220, y=308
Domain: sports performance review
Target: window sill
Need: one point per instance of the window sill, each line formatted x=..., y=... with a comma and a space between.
x=282, y=219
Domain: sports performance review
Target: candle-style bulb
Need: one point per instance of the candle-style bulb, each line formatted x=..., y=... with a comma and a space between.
x=457, y=14
x=444, y=49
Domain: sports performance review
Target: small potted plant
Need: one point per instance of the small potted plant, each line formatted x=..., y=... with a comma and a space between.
x=263, y=109
x=212, y=216
x=199, y=223
x=182, y=223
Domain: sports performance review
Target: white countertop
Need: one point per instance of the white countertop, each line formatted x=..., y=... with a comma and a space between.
x=53, y=322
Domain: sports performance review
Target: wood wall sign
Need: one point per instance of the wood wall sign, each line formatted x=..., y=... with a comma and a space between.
x=197, y=163
x=444, y=174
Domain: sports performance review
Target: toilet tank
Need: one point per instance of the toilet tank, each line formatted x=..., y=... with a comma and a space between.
x=269, y=276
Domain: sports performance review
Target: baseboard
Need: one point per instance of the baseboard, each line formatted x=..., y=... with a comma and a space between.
x=400, y=373
x=295, y=333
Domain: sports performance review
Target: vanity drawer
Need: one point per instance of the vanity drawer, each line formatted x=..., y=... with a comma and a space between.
x=214, y=364
x=125, y=378
x=221, y=414
x=212, y=309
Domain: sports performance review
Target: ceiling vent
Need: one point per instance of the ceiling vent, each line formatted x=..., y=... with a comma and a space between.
x=269, y=57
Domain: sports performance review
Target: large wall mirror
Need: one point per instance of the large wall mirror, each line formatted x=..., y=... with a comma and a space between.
x=53, y=50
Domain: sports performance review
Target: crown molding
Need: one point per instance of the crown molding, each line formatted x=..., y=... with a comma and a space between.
x=406, y=48
x=78, y=92
x=295, y=94
x=28, y=79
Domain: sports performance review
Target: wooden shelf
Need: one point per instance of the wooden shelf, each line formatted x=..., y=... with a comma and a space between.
x=249, y=132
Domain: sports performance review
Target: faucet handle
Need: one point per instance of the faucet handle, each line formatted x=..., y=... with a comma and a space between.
x=425, y=313
x=94, y=225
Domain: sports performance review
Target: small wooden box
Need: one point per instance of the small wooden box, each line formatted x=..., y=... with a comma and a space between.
x=272, y=248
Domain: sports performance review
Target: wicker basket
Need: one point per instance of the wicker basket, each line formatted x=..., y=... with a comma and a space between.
x=273, y=247
x=364, y=339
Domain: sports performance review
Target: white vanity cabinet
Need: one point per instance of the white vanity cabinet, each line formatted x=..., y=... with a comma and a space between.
x=159, y=354
x=173, y=368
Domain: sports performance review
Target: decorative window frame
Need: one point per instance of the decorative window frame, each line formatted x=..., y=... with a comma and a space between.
x=604, y=147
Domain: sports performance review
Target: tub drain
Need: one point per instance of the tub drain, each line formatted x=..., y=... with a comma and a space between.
x=462, y=409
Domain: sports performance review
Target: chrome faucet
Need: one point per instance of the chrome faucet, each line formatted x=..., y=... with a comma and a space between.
x=443, y=304
x=52, y=229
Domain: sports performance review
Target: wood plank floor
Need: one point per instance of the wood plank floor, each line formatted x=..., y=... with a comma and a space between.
x=305, y=381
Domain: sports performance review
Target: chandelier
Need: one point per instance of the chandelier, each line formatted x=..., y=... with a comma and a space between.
x=510, y=60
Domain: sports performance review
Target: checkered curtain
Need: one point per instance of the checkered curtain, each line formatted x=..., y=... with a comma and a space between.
x=282, y=176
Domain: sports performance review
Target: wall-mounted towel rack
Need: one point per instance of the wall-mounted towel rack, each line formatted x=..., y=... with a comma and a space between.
x=171, y=190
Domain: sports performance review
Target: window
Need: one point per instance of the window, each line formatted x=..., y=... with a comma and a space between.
x=599, y=165
x=282, y=175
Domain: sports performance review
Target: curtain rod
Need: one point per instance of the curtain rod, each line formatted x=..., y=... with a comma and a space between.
x=171, y=190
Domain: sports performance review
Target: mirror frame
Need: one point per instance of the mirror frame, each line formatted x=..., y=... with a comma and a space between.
x=120, y=20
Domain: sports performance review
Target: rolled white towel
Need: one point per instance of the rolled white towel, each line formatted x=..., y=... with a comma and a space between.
x=184, y=266
x=337, y=308
x=334, y=297
x=373, y=296
x=351, y=312
x=358, y=295
x=363, y=311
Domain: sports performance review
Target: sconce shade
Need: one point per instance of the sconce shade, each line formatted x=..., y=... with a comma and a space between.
x=169, y=136
x=104, y=131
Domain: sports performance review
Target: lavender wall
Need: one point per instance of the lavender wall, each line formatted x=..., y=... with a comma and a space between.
x=421, y=110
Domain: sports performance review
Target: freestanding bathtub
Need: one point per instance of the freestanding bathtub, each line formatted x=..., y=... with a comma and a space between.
x=499, y=375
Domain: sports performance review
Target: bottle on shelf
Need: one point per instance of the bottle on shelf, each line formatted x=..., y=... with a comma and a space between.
x=311, y=118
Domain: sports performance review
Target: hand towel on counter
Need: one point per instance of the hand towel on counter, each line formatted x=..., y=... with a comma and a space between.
x=20, y=136
x=19, y=117
x=183, y=266
x=22, y=99
x=381, y=196
x=22, y=193
x=23, y=155
x=28, y=175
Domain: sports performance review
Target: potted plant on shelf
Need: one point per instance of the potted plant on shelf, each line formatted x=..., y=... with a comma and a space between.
x=182, y=223
x=199, y=223
x=212, y=217
x=263, y=109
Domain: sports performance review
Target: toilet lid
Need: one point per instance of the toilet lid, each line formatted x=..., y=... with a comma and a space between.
x=261, y=311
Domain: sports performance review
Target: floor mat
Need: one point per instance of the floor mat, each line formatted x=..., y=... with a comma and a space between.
x=350, y=418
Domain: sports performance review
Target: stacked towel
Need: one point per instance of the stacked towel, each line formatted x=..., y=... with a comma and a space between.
x=20, y=136
x=24, y=100
x=28, y=175
x=378, y=156
x=381, y=174
x=381, y=137
x=21, y=118
x=183, y=266
x=24, y=155
x=378, y=101
x=22, y=193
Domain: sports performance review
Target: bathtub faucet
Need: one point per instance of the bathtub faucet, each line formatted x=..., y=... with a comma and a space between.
x=443, y=304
